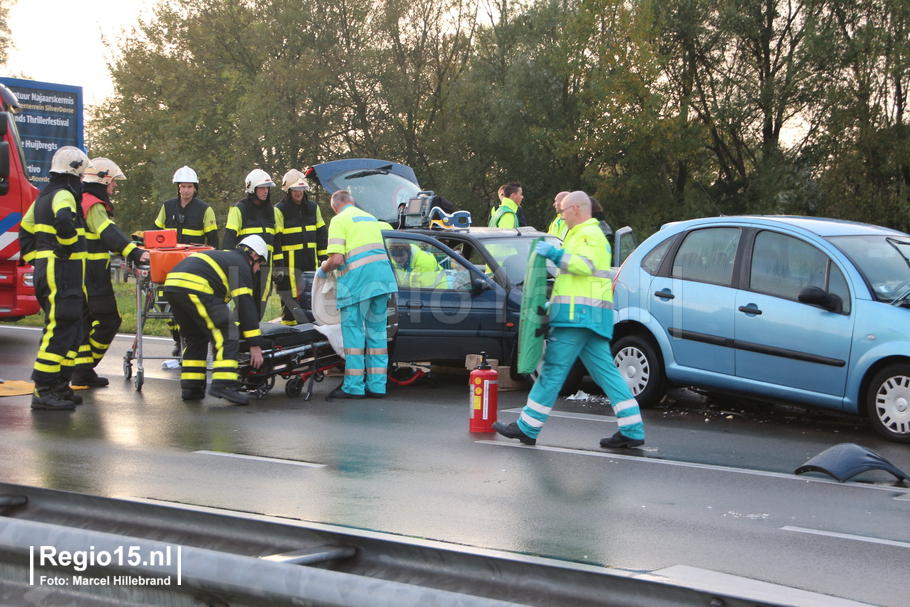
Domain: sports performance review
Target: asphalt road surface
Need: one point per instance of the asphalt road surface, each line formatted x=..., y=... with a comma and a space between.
x=712, y=494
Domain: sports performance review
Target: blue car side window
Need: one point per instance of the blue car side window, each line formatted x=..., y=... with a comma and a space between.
x=782, y=265
x=707, y=256
x=651, y=262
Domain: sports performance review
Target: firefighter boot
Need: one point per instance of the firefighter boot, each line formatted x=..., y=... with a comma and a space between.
x=63, y=390
x=85, y=375
x=44, y=397
x=229, y=392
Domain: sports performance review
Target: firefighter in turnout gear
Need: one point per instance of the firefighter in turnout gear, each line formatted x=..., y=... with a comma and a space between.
x=303, y=237
x=52, y=238
x=193, y=219
x=581, y=326
x=199, y=289
x=255, y=214
x=101, y=319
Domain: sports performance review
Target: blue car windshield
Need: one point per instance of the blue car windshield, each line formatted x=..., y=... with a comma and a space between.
x=512, y=253
x=377, y=191
x=883, y=261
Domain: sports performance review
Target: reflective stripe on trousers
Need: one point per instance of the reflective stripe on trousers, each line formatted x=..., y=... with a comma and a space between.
x=564, y=345
x=363, y=328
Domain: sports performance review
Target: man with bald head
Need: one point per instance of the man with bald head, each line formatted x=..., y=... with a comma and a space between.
x=365, y=283
x=558, y=227
x=581, y=326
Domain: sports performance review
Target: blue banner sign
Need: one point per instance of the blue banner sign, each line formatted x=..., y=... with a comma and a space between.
x=49, y=118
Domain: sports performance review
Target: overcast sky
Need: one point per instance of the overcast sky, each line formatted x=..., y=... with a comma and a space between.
x=59, y=41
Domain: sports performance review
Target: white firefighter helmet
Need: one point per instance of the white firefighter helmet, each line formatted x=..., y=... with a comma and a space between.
x=69, y=160
x=186, y=175
x=294, y=180
x=102, y=170
x=258, y=179
x=256, y=244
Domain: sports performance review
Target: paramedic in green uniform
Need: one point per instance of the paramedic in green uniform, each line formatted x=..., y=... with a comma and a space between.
x=365, y=280
x=506, y=216
x=581, y=326
x=558, y=227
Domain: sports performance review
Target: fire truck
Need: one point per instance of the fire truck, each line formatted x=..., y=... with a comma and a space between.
x=17, y=291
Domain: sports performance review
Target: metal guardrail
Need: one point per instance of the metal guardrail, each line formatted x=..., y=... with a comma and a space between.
x=221, y=560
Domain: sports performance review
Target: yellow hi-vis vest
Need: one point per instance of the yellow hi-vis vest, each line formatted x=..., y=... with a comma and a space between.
x=583, y=292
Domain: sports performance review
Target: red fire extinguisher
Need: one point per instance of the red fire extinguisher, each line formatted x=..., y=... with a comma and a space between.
x=484, y=385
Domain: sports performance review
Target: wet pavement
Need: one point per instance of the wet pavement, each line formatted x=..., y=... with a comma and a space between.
x=712, y=489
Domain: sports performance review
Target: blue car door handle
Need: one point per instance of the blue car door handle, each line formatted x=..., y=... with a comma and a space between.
x=749, y=310
x=414, y=304
x=665, y=294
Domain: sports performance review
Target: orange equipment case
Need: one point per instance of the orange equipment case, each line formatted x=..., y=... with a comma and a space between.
x=154, y=239
x=162, y=260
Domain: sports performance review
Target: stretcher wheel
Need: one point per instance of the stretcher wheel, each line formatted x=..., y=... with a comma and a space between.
x=294, y=387
x=138, y=380
x=128, y=365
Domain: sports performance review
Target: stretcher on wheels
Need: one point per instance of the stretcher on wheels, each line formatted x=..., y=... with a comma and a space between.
x=295, y=353
x=300, y=354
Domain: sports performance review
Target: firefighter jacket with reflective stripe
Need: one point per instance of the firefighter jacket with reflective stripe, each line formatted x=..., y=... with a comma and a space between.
x=53, y=225
x=226, y=275
x=101, y=237
x=195, y=223
x=583, y=292
x=304, y=235
x=366, y=271
x=246, y=218
x=506, y=215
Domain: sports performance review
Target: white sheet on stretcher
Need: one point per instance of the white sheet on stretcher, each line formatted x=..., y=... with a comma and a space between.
x=333, y=332
x=323, y=301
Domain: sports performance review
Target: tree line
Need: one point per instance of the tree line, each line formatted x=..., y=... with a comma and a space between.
x=661, y=110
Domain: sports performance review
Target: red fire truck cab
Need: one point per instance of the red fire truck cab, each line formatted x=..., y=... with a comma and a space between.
x=17, y=291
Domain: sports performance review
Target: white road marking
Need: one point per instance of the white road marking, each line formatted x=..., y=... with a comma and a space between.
x=271, y=460
x=848, y=536
x=666, y=462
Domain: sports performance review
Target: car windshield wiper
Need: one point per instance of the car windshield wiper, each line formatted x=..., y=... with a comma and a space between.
x=370, y=172
x=903, y=248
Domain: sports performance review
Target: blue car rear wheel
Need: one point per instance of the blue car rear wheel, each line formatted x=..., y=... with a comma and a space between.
x=888, y=402
x=639, y=363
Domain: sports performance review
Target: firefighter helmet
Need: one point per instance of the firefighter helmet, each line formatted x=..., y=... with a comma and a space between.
x=186, y=175
x=294, y=180
x=254, y=244
x=69, y=160
x=102, y=170
x=258, y=179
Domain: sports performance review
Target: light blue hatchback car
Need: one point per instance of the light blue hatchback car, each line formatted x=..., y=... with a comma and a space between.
x=793, y=309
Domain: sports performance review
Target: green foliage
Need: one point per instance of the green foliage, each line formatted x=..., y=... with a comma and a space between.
x=662, y=111
x=6, y=40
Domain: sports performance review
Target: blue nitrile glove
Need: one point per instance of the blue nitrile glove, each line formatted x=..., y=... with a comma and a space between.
x=320, y=273
x=545, y=249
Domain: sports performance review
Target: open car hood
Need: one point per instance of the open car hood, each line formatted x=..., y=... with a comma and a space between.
x=378, y=186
